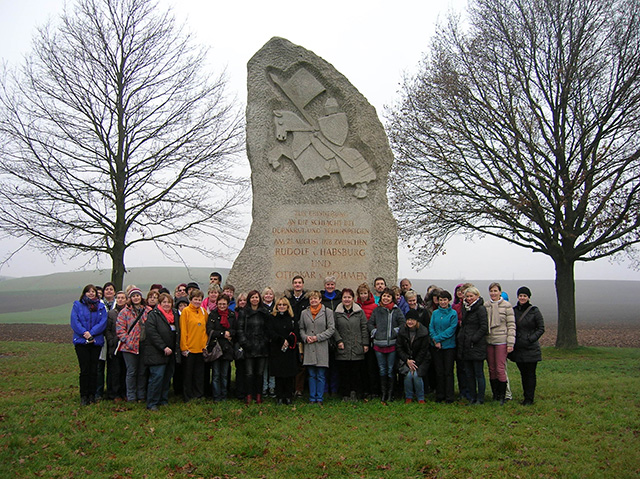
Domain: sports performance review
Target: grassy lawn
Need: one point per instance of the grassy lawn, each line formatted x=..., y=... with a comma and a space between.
x=585, y=424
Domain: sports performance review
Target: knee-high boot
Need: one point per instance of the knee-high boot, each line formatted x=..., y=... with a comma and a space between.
x=502, y=391
x=495, y=389
x=384, y=387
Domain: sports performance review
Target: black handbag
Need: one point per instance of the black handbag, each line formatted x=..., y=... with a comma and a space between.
x=210, y=356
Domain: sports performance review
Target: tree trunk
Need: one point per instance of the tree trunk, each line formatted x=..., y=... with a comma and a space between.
x=566, y=297
x=117, y=266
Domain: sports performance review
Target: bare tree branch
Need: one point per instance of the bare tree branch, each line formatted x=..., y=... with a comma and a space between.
x=113, y=135
x=524, y=126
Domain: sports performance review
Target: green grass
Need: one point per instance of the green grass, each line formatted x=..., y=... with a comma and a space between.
x=54, y=315
x=48, y=299
x=585, y=424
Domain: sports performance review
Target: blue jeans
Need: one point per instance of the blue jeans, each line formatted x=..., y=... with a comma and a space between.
x=268, y=382
x=475, y=378
x=220, y=369
x=159, y=383
x=413, y=382
x=386, y=361
x=316, y=383
x=136, y=377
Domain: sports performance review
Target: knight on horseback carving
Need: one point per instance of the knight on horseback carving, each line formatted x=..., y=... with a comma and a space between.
x=317, y=145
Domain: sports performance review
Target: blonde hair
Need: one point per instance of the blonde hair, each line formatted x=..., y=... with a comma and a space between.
x=314, y=294
x=283, y=300
x=473, y=290
x=268, y=288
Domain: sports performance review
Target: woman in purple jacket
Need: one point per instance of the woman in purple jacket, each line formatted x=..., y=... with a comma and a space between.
x=88, y=321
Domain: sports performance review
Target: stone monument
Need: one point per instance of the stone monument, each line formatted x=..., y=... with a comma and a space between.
x=319, y=159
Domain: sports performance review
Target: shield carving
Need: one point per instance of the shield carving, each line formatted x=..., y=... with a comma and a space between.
x=334, y=127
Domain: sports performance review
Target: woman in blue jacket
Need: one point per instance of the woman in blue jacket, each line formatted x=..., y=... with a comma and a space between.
x=88, y=321
x=442, y=328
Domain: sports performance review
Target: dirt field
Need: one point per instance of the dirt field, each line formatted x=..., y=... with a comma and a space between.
x=623, y=335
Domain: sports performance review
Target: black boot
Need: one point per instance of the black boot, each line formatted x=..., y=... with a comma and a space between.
x=495, y=389
x=384, y=387
x=502, y=392
x=390, y=388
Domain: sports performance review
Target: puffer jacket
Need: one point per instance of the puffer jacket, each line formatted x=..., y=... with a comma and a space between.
x=368, y=306
x=529, y=329
x=84, y=320
x=472, y=338
x=502, y=323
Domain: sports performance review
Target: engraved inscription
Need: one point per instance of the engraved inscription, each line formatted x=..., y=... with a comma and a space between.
x=315, y=242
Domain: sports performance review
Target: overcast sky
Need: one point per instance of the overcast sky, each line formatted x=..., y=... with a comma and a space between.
x=371, y=42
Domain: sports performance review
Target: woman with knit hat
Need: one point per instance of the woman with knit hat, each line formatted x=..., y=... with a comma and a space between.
x=526, y=352
x=130, y=331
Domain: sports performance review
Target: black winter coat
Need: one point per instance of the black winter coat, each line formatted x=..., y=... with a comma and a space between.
x=298, y=305
x=110, y=333
x=251, y=332
x=424, y=317
x=159, y=335
x=529, y=328
x=283, y=327
x=472, y=336
x=214, y=324
x=332, y=304
x=418, y=350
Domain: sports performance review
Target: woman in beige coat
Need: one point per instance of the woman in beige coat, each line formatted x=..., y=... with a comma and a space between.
x=500, y=340
x=317, y=325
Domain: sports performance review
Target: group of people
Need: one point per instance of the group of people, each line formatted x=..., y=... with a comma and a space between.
x=359, y=344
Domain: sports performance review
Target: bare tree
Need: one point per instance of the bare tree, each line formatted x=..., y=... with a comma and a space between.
x=522, y=124
x=114, y=134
